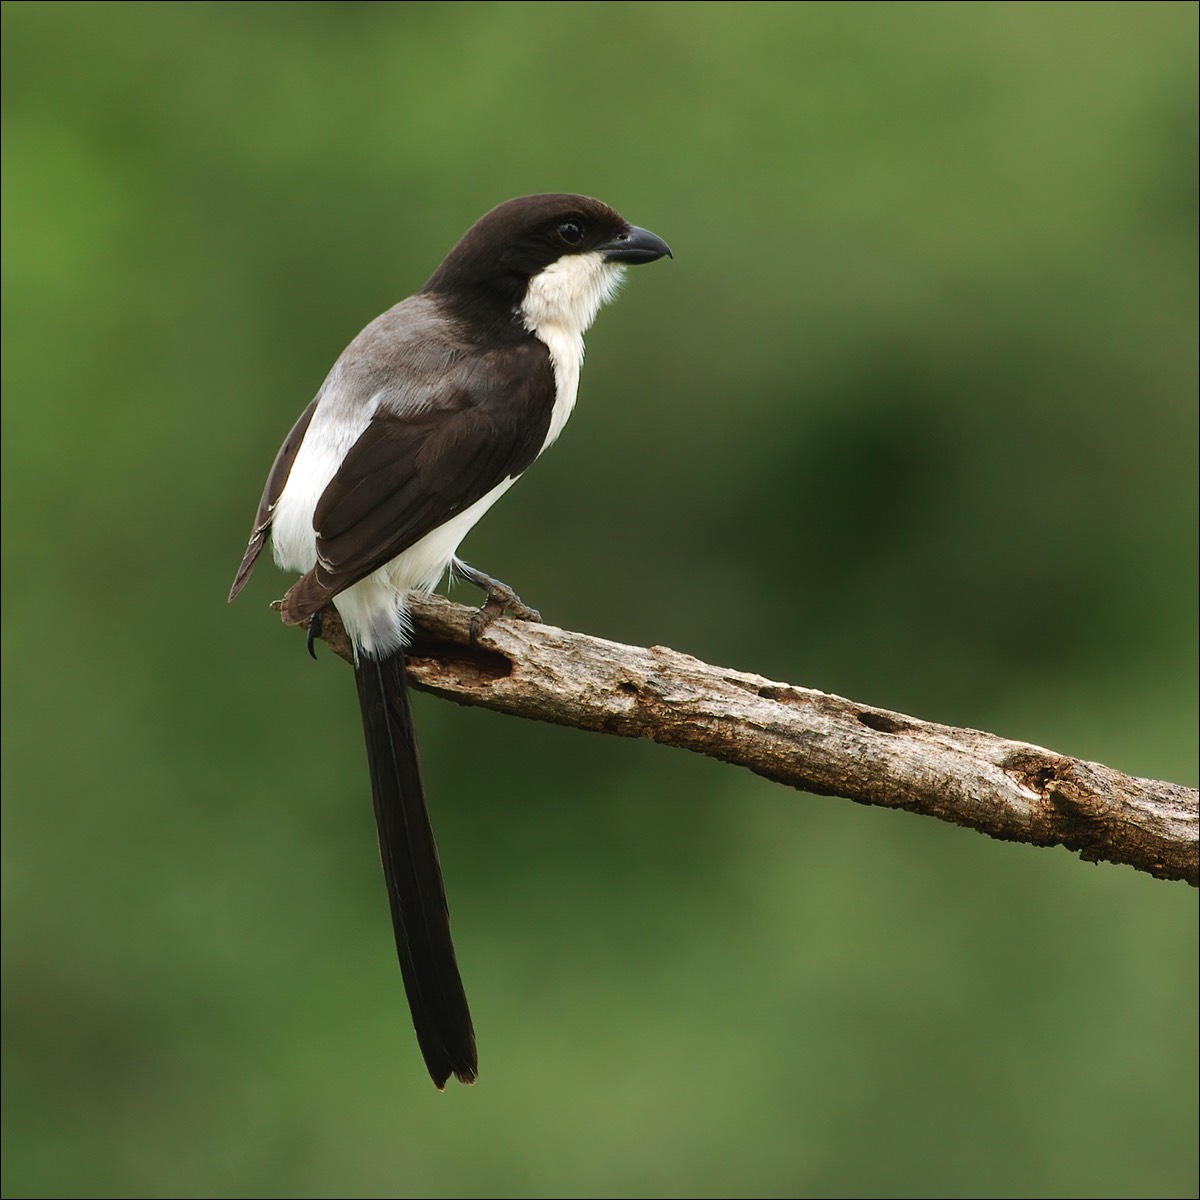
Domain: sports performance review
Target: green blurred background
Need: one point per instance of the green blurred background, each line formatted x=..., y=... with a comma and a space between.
x=911, y=417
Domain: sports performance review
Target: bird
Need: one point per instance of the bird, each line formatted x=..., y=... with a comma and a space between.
x=425, y=420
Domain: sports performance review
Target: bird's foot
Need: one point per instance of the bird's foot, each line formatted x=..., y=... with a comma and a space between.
x=500, y=598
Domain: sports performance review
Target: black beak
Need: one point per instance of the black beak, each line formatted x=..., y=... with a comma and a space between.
x=635, y=245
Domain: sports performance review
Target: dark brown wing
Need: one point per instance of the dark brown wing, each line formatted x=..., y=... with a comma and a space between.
x=280, y=470
x=410, y=472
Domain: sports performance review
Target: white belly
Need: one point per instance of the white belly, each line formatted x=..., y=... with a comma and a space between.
x=374, y=610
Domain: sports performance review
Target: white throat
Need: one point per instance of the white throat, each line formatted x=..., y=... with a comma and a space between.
x=560, y=304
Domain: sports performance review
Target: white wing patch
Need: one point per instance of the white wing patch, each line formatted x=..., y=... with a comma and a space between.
x=330, y=435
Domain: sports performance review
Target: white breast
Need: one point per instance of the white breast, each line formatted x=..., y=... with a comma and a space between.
x=559, y=306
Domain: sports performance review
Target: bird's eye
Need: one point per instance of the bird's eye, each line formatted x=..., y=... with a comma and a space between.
x=571, y=232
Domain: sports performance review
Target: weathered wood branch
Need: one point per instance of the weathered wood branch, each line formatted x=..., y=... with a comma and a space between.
x=806, y=739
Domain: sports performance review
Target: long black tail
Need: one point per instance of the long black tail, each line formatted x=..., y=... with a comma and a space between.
x=420, y=916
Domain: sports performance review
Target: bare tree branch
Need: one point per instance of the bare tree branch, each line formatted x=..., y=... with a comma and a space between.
x=806, y=739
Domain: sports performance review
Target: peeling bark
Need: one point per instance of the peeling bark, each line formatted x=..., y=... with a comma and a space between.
x=803, y=738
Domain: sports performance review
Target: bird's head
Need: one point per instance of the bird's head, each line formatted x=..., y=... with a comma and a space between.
x=544, y=260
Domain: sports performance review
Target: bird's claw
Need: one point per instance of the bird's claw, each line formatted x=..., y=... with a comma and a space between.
x=500, y=599
x=315, y=625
